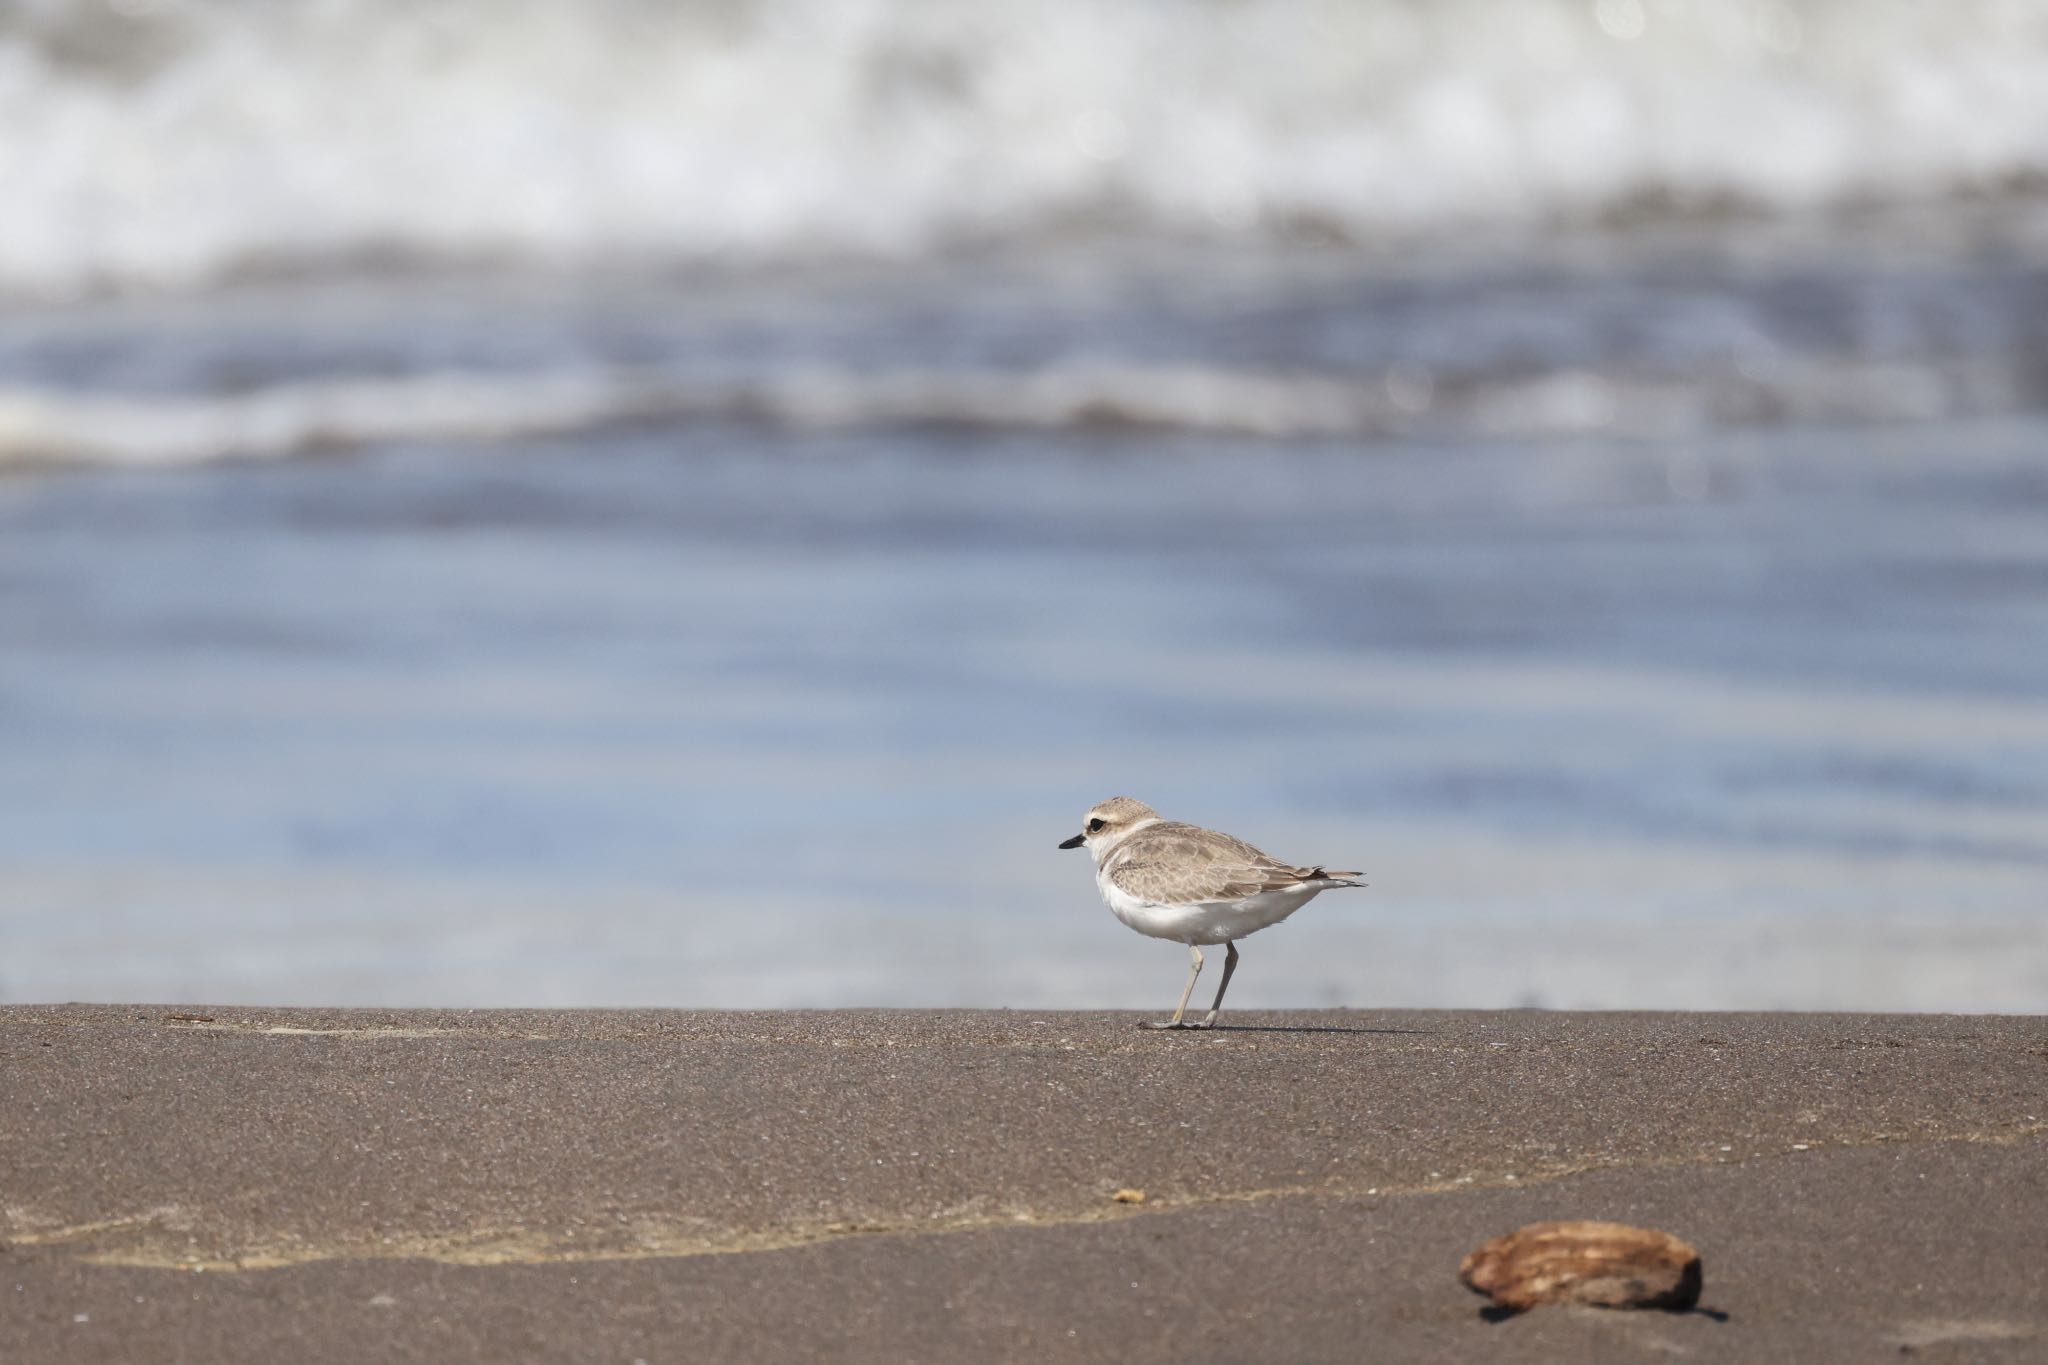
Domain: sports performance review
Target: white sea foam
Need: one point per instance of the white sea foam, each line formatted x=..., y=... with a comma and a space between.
x=165, y=142
x=63, y=427
x=54, y=427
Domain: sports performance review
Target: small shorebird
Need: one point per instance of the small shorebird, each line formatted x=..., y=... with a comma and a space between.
x=1192, y=885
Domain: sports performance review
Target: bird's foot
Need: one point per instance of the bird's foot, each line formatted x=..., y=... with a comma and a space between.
x=1167, y=1024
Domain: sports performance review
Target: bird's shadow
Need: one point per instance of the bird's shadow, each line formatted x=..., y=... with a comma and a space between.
x=1304, y=1028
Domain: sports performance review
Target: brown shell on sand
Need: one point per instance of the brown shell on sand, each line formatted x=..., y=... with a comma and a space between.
x=1607, y=1265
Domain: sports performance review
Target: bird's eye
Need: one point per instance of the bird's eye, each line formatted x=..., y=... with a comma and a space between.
x=1095, y=824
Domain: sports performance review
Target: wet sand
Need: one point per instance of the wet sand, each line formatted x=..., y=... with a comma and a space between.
x=200, y=1184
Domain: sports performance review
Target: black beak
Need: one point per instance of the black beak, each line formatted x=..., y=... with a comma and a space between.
x=1075, y=842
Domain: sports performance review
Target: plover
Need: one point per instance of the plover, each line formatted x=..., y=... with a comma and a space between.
x=1192, y=885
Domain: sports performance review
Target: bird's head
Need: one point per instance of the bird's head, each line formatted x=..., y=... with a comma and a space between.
x=1109, y=822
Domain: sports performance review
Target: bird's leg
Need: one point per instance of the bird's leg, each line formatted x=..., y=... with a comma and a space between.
x=1186, y=991
x=1229, y=966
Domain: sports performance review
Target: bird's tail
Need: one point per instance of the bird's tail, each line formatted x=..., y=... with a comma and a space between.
x=1318, y=874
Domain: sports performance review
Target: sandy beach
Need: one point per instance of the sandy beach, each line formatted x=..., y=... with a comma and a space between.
x=209, y=1184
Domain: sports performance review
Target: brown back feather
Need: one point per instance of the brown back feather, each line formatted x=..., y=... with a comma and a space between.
x=1188, y=863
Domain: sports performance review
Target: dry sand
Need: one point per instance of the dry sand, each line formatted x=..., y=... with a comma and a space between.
x=183, y=1184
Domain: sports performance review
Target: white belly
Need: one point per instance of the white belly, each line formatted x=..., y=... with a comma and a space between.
x=1206, y=921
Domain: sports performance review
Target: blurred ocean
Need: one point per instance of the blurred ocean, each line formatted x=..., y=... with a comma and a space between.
x=634, y=503
x=171, y=140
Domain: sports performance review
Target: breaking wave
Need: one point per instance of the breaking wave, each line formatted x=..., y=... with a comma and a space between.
x=167, y=143
x=49, y=427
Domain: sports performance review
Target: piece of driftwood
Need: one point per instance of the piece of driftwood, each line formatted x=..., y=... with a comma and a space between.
x=1607, y=1265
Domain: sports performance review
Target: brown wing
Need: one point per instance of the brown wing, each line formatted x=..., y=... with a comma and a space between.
x=1177, y=864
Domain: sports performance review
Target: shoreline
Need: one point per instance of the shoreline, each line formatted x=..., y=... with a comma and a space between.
x=932, y=1184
